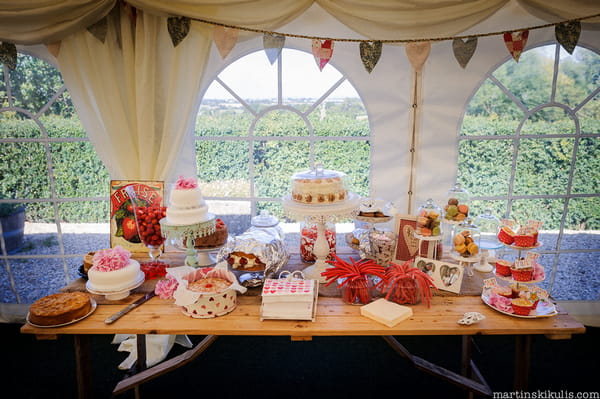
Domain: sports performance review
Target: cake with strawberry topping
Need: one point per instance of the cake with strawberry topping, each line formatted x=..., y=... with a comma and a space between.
x=186, y=205
x=113, y=270
x=216, y=239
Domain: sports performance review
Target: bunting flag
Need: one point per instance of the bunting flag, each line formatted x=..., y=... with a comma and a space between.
x=178, y=28
x=464, y=50
x=99, y=29
x=225, y=39
x=370, y=52
x=273, y=45
x=417, y=53
x=322, y=51
x=8, y=55
x=567, y=34
x=54, y=48
x=515, y=42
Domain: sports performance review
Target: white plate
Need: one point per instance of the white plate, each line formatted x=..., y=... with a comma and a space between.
x=537, y=245
x=120, y=294
x=509, y=278
x=94, y=305
x=543, y=309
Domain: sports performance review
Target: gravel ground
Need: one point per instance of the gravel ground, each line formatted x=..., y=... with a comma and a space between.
x=576, y=276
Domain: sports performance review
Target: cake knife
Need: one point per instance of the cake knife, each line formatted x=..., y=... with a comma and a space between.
x=129, y=307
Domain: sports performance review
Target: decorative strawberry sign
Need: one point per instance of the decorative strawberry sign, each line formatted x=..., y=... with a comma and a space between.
x=322, y=51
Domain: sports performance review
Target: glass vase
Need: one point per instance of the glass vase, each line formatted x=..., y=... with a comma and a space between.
x=357, y=291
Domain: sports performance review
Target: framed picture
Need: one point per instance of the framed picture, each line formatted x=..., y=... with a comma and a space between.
x=123, y=230
x=446, y=276
x=407, y=245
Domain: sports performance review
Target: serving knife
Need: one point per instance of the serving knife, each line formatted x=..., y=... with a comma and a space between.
x=129, y=307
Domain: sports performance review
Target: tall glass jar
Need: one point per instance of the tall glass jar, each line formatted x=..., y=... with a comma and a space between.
x=429, y=219
x=489, y=226
x=466, y=239
x=270, y=223
x=308, y=236
x=458, y=201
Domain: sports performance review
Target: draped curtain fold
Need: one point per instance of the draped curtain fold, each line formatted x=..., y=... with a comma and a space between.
x=137, y=95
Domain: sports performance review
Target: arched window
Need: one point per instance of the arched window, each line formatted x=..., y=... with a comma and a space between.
x=529, y=148
x=260, y=123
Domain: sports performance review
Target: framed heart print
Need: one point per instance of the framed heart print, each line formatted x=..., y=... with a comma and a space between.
x=446, y=276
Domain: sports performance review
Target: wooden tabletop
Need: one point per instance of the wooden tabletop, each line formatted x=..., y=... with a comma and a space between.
x=334, y=318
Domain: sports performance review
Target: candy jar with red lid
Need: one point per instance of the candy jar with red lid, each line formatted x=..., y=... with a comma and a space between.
x=429, y=219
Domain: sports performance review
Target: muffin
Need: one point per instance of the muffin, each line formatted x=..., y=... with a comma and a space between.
x=524, y=240
x=503, y=267
x=522, y=306
x=502, y=291
x=506, y=235
x=522, y=274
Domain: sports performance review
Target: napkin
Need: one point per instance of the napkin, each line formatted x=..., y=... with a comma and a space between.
x=158, y=347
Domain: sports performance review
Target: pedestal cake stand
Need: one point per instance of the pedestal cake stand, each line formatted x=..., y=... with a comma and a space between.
x=320, y=215
x=183, y=236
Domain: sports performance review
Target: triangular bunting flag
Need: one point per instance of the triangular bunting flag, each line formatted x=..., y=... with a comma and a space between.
x=464, y=50
x=370, y=53
x=417, y=53
x=178, y=28
x=131, y=13
x=322, y=52
x=99, y=29
x=54, y=48
x=515, y=42
x=273, y=45
x=8, y=55
x=567, y=34
x=225, y=39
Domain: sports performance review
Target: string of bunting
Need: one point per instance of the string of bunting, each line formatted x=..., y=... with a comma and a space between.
x=225, y=37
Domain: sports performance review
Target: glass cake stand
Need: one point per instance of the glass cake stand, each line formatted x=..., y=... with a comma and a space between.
x=182, y=236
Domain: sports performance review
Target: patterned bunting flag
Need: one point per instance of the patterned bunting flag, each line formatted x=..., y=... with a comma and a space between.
x=417, y=53
x=322, y=51
x=225, y=39
x=370, y=53
x=99, y=29
x=273, y=45
x=178, y=28
x=8, y=55
x=515, y=42
x=464, y=50
x=567, y=34
x=54, y=48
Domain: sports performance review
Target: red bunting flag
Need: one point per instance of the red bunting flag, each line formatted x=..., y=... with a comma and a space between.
x=515, y=42
x=322, y=52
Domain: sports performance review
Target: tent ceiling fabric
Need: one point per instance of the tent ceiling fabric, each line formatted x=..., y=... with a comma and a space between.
x=30, y=22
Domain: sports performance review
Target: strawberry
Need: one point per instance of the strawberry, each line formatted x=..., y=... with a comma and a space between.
x=129, y=228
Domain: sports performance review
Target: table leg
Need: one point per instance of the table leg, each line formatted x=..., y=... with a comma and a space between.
x=83, y=366
x=522, y=362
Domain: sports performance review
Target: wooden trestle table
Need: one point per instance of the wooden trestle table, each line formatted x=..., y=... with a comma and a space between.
x=334, y=318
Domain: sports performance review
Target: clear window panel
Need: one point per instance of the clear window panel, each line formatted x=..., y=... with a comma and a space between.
x=543, y=166
x=41, y=235
x=274, y=164
x=529, y=80
x=478, y=207
x=78, y=172
x=577, y=278
x=275, y=208
x=35, y=279
x=313, y=82
x=589, y=116
x=7, y=294
x=586, y=177
x=281, y=122
x=582, y=224
x=547, y=210
x=549, y=120
x=223, y=168
x=58, y=126
x=251, y=78
x=340, y=118
x=220, y=114
x=484, y=166
x=24, y=171
x=18, y=126
x=84, y=212
x=576, y=80
x=350, y=157
x=235, y=213
x=491, y=112
x=81, y=238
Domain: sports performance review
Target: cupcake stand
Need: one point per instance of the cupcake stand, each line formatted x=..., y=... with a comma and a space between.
x=320, y=215
x=182, y=237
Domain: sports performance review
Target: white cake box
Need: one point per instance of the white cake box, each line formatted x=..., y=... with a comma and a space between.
x=290, y=297
x=204, y=305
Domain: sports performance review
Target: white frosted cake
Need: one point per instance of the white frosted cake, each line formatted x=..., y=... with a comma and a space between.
x=319, y=186
x=186, y=204
x=113, y=270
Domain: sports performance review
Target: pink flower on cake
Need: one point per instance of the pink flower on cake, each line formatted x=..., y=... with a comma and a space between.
x=185, y=184
x=107, y=260
x=165, y=288
x=538, y=272
x=501, y=303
